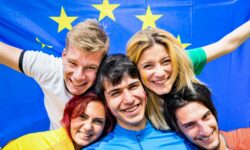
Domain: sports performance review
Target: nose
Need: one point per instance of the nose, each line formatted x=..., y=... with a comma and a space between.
x=159, y=71
x=204, y=129
x=79, y=74
x=88, y=126
x=128, y=97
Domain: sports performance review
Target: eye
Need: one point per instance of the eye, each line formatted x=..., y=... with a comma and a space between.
x=83, y=116
x=133, y=86
x=147, y=66
x=207, y=116
x=115, y=93
x=188, y=125
x=98, y=121
x=72, y=64
x=92, y=68
x=166, y=61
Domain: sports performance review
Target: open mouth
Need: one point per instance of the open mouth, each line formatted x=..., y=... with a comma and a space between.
x=206, y=139
x=160, y=82
x=84, y=136
x=78, y=85
x=131, y=109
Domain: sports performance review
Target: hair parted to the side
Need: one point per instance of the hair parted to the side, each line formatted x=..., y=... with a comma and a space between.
x=113, y=68
x=77, y=106
x=182, y=75
x=200, y=94
x=88, y=35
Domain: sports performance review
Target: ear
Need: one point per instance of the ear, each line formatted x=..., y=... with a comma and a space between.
x=64, y=54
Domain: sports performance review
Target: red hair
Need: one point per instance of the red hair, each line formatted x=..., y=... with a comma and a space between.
x=77, y=106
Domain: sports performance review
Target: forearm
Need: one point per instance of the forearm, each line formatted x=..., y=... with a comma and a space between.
x=228, y=43
x=9, y=56
x=234, y=39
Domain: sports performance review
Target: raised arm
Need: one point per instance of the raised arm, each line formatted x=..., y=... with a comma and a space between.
x=9, y=56
x=228, y=43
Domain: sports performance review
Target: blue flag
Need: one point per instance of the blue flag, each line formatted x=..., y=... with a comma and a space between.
x=42, y=25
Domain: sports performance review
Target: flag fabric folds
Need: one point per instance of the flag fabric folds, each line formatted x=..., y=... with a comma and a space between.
x=42, y=25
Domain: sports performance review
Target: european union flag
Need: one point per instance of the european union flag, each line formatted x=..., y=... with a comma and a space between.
x=42, y=25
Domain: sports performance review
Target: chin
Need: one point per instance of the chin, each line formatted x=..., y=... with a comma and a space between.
x=212, y=146
x=162, y=91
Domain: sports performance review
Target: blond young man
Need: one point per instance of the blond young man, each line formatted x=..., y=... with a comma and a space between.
x=62, y=78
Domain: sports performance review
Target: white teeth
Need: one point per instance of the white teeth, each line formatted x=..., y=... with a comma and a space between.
x=205, y=139
x=84, y=135
x=160, y=82
x=78, y=84
x=131, y=109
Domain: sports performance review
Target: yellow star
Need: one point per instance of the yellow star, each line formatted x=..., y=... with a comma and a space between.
x=148, y=19
x=106, y=9
x=63, y=20
x=42, y=44
x=184, y=45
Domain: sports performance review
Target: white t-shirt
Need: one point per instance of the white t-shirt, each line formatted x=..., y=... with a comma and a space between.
x=47, y=70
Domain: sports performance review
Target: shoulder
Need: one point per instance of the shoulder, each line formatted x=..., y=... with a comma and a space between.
x=103, y=143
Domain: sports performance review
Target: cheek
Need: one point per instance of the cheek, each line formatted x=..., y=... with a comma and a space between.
x=144, y=74
x=99, y=129
x=91, y=76
x=189, y=133
x=169, y=68
x=72, y=128
x=112, y=105
x=67, y=70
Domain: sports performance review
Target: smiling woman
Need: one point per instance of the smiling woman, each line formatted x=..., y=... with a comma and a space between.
x=85, y=119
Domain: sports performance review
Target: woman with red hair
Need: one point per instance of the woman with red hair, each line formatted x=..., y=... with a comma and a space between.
x=86, y=118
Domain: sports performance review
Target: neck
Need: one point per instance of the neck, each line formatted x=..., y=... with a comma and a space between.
x=135, y=127
x=222, y=145
x=76, y=146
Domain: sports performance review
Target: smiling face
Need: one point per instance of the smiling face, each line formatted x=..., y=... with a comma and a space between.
x=80, y=68
x=155, y=69
x=127, y=102
x=199, y=125
x=88, y=126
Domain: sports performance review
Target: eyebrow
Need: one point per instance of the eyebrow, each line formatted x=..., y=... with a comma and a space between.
x=206, y=114
x=187, y=123
x=113, y=90
x=203, y=117
x=100, y=118
x=94, y=118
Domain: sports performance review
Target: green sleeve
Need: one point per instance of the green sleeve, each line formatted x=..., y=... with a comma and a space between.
x=198, y=58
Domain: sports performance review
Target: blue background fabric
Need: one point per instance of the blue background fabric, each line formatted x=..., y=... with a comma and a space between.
x=32, y=25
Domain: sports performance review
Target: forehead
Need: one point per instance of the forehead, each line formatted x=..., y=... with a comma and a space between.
x=125, y=81
x=83, y=55
x=95, y=109
x=191, y=112
x=153, y=52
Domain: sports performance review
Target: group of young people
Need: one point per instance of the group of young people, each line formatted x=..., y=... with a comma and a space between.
x=136, y=93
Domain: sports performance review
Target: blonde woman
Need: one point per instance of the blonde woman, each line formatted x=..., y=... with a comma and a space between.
x=164, y=66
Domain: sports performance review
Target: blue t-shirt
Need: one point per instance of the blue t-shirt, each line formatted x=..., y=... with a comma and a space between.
x=146, y=139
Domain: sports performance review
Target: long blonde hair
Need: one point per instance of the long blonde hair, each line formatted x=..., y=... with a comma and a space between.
x=182, y=74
